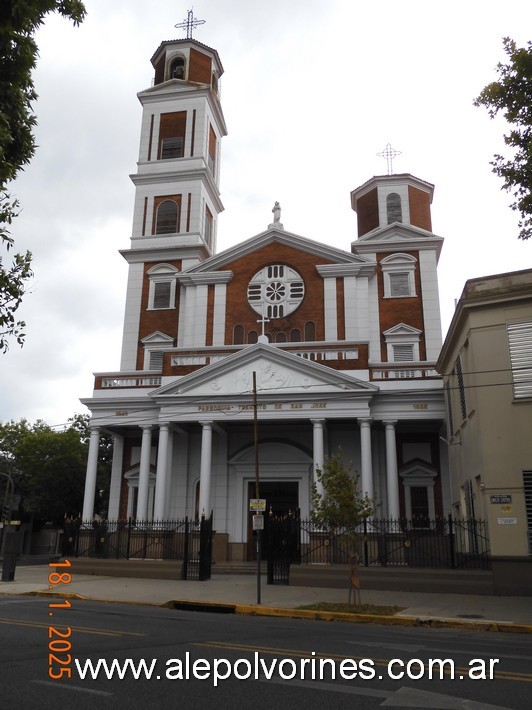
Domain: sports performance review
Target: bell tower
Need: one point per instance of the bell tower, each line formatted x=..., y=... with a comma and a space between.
x=177, y=197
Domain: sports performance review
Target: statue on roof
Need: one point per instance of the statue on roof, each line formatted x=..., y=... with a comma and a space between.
x=276, y=217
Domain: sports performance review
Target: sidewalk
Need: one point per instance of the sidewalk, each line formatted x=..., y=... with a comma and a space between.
x=463, y=610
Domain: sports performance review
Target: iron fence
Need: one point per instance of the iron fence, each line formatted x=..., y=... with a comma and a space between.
x=444, y=542
x=186, y=540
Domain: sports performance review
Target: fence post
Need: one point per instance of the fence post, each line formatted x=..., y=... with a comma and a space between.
x=184, y=571
x=451, y=541
x=128, y=549
x=366, y=561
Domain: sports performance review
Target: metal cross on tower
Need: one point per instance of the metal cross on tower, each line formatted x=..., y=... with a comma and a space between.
x=389, y=153
x=190, y=23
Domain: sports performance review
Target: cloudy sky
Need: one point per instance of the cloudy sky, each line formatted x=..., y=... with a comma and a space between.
x=312, y=91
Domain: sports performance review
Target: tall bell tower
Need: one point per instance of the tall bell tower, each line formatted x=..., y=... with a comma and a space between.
x=177, y=196
x=177, y=200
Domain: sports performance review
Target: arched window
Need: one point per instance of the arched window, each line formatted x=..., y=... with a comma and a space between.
x=394, y=211
x=310, y=331
x=238, y=335
x=177, y=68
x=167, y=217
x=295, y=335
x=280, y=338
x=253, y=337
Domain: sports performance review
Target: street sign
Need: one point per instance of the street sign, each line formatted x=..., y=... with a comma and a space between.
x=258, y=522
x=500, y=499
x=257, y=504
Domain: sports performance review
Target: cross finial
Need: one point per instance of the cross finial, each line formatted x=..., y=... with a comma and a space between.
x=263, y=338
x=190, y=23
x=389, y=153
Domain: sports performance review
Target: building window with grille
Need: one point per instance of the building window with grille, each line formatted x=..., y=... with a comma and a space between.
x=520, y=346
x=167, y=217
x=461, y=387
x=172, y=131
x=527, y=487
x=162, y=288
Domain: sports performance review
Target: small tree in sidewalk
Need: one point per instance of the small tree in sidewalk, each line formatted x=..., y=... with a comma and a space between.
x=338, y=508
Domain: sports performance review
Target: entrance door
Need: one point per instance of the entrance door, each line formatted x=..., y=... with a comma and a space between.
x=282, y=497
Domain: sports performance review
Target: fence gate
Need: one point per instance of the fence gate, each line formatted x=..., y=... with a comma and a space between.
x=197, y=557
x=282, y=541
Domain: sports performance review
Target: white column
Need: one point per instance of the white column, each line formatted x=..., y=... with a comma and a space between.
x=392, y=483
x=162, y=473
x=218, y=325
x=366, y=482
x=116, y=478
x=330, y=306
x=205, y=469
x=170, y=458
x=90, y=477
x=319, y=451
x=144, y=474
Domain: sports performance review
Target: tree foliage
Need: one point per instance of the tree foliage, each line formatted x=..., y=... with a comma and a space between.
x=512, y=95
x=19, y=20
x=340, y=505
x=48, y=467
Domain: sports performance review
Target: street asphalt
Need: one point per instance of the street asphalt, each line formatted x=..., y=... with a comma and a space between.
x=240, y=594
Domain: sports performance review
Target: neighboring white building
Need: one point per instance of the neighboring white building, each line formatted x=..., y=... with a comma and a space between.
x=342, y=344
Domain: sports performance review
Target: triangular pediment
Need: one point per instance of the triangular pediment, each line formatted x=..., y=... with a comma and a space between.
x=157, y=337
x=277, y=372
x=278, y=236
x=398, y=235
x=402, y=329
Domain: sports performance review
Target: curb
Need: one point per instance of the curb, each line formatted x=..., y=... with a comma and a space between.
x=383, y=620
x=267, y=611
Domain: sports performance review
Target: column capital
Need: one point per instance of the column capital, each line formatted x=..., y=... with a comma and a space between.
x=207, y=424
x=365, y=421
x=317, y=422
x=389, y=422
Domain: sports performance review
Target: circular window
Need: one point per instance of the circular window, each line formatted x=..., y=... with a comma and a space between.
x=275, y=291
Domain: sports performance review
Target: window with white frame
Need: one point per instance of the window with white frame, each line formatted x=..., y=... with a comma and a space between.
x=520, y=345
x=162, y=287
x=398, y=272
x=155, y=345
x=402, y=346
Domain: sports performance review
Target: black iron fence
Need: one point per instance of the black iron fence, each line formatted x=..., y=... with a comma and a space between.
x=186, y=540
x=445, y=542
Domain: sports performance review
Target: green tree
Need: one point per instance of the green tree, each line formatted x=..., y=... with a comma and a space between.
x=512, y=95
x=339, y=509
x=19, y=20
x=48, y=466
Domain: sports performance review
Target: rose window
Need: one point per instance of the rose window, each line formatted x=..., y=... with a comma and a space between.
x=275, y=291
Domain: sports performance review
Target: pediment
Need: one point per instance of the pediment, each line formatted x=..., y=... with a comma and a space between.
x=157, y=337
x=278, y=236
x=402, y=329
x=277, y=372
x=396, y=232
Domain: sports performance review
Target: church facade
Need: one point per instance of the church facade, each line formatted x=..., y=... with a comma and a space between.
x=339, y=345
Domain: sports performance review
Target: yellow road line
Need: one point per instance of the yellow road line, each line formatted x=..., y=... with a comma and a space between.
x=77, y=629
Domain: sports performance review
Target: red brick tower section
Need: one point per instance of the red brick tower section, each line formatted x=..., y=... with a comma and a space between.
x=395, y=228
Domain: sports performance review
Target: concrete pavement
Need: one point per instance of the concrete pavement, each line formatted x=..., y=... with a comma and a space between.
x=456, y=610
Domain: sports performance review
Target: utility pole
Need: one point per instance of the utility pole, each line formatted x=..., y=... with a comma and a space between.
x=258, y=530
